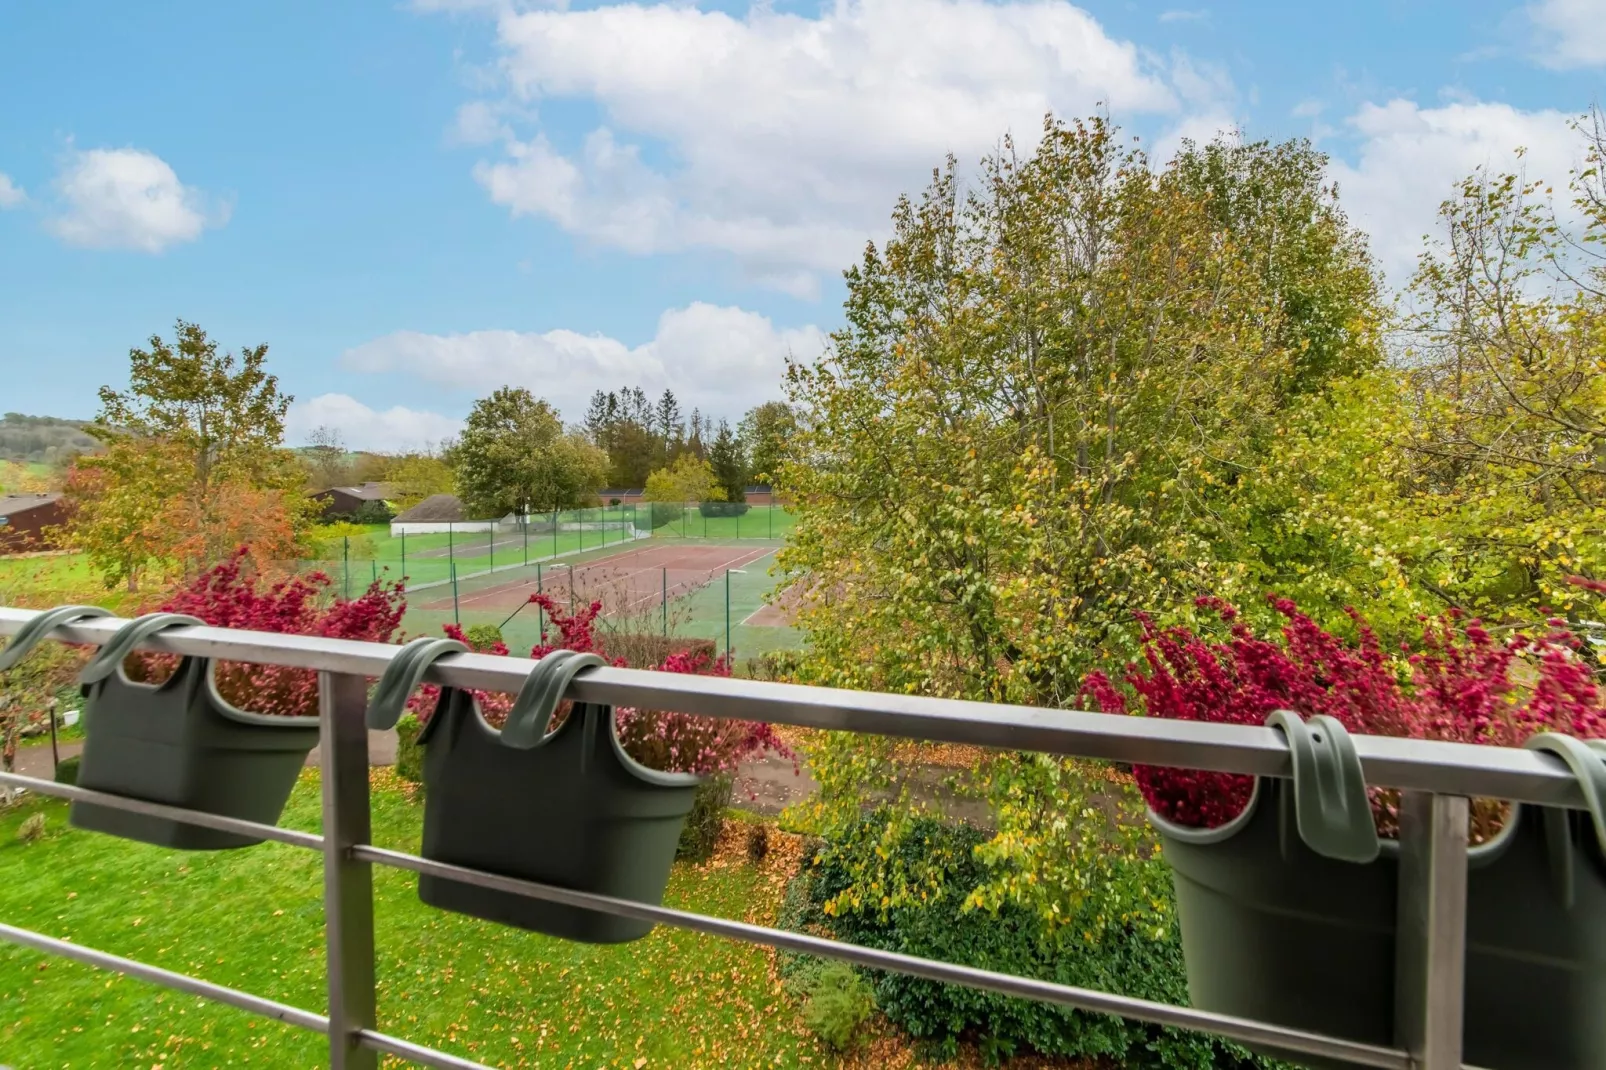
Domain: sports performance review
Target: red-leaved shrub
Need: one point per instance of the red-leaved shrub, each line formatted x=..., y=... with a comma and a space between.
x=659, y=739
x=1459, y=684
x=234, y=594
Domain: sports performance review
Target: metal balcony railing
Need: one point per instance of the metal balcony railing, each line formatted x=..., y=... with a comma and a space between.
x=1437, y=780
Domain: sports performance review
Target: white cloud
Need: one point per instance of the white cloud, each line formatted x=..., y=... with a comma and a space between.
x=1181, y=15
x=1410, y=159
x=782, y=139
x=128, y=199
x=1571, y=33
x=721, y=360
x=361, y=427
x=11, y=194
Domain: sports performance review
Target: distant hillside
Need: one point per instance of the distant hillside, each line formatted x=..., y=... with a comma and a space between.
x=41, y=439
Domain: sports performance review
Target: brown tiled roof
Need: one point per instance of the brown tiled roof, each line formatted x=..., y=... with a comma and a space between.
x=435, y=509
x=12, y=504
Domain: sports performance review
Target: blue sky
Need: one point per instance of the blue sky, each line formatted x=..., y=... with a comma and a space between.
x=413, y=203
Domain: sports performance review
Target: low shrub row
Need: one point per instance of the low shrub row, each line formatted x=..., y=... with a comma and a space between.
x=722, y=508
x=1090, y=951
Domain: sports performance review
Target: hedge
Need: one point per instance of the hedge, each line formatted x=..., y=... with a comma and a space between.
x=722, y=508
x=649, y=516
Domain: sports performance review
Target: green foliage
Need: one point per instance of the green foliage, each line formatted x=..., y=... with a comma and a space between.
x=483, y=636
x=688, y=479
x=409, y=752
x=638, y=435
x=343, y=540
x=1025, y=434
x=67, y=770
x=42, y=439
x=1102, y=945
x=707, y=818
x=373, y=512
x=836, y=1001
x=252, y=920
x=649, y=516
x=735, y=508
x=418, y=476
x=765, y=435
x=193, y=465
x=328, y=463
x=729, y=465
x=514, y=455
x=30, y=691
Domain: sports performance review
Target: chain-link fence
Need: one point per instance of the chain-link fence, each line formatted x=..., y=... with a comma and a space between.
x=681, y=571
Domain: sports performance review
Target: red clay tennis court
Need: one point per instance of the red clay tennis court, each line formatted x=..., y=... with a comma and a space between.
x=626, y=582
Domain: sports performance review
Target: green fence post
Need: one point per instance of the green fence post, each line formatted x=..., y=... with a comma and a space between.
x=451, y=567
x=728, y=661
x=491, y=546
x=524, y=525
x=554, y=531
x=540, y=610
x=451, y=554
x=571, y=590
x=373, y=567
x=345, y=564
x=664, y=574
x=404, y=555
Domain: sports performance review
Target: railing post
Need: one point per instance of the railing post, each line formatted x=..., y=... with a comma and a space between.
x=1431, y=949
x=348, y=885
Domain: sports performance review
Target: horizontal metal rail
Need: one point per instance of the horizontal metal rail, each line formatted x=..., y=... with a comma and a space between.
x=1240, y=1029
x=1436, y=778
x=1087, y=999
x=1408, y=764
x=73, y=793
x=194, y=986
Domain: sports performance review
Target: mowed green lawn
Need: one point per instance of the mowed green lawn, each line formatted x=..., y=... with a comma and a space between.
x=252, y=919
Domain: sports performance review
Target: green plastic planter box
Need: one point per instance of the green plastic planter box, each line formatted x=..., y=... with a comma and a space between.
x=177, y=743
x=569, y=808
x=1277, y=930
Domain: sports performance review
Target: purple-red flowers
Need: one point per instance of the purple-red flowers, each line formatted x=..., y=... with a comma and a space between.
x=1459, y=683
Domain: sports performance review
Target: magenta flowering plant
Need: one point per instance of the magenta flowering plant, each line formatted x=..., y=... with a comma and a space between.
x=235, y=593
x=659, y=739
x=1458, y=683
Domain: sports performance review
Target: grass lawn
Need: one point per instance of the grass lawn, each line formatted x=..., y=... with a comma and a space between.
x=253, y=919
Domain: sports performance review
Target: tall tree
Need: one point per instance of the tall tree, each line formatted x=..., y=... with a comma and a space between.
x=193, y=463
x=624, y=425
x=730, y=468
x=689, y=479
x=669, y=425
x=514, y=455
x=416, y=476
x=766, y=433
x=1026, y=431
x=697, y=438
x=326, y=459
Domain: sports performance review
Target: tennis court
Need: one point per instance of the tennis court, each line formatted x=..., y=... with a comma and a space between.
x=627, y=582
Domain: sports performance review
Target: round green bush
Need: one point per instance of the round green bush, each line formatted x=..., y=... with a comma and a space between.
x=409, y=752
x=1012, y=940
x=67, y=770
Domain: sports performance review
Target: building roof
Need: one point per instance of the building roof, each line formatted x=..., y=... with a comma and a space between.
x=435, y=509
x=12, y=504
x=368, y=492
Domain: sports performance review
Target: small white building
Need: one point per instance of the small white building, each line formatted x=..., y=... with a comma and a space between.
x=440, y=513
